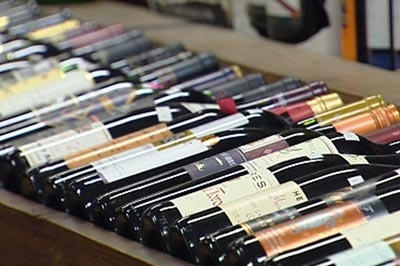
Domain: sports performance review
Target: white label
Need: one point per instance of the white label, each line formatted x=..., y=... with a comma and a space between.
x=164, y=114
x=350, y=136
x=371, y=254
x=320, y=145
x=355, y=180
x=219, y=125
x=73, y=82
x=260, y=143
x=61, y=145
x=112, y=172
x=267, y=201
x=374, y=230
x=224, y=192
x=195, y=107
x=354, y=159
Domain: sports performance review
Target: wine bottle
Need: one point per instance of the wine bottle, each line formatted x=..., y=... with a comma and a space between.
x=84, y=28
x=299, y=111
x=22, y=29
x=371, y=254
x=374, y=230
x=317, y=226
x=122, y=50
x=104, y=103
x=79, y=138
x=348, y=110
x=148, y=57
x=213, y=247
x=53, y=30
x=128, y=219
x=103, y=212
x=128, y=163
x=8, y=4
x=18, y=14
x=186, y=233
x=306, y=92
x=378, y=118
x=48, y=87
x=200, y=64
x=264, y=245
x=34, y=52
x=385, y=135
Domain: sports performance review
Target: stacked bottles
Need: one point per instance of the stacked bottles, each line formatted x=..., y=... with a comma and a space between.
x=166, y=147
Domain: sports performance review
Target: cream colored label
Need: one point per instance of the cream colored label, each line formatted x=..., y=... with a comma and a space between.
x=219, y=125
x=124, y=166
x=196, y=107
x=267, y=201
x=164, y=114
x=27, y=95
x=320, y=145
x=61, y=145
x=260, y=143
x=372, y=254
x=225, y=192
x=354, y=159
x=374, y=230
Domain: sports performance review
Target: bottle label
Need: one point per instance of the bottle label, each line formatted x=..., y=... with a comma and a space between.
x=320, y=145
x=235, y=157
x=164, y=114
x=262, y=203
x=270, y=220
x=129, y=166
x=220, y=125
x=57, y=85
x=383, y=227
x=310, y=228
x=102, y=150
x=372, y=254
x=60, y=145
x=350, y=136
x=221, y=193
x=196, y=107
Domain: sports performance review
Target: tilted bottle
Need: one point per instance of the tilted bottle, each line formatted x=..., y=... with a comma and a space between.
x=213, y=247
x=365, y=105
x=371, y=121
x=128, y=219
x=103, y=212
x=53, y=30
x=298, y=111
x=261, y=247
x=186, y=233
x=385, y=135
x=18, y=14
x=374, y=230
x=130, y=164
x=371, y=254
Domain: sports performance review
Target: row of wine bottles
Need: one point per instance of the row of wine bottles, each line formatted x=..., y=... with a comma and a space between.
x=207, y=163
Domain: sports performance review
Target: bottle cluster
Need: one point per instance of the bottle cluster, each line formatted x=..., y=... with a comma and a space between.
x=171, y=149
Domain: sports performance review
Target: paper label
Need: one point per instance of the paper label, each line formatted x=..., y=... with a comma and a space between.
x=350, y=136
x=196, y=107
x=372, y=254
x=354, y=159
x=377, y=229
x=309, y=228
x=219, y=125
x=102, y=150
x=221, y=193
x=12, y=100
x=320, y=145
x=164, y=114
x=148, y=160
x=262, y=203
x=234, y=157
x=59, y=146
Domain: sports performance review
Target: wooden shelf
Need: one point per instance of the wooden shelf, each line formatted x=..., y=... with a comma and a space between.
x=32, y=234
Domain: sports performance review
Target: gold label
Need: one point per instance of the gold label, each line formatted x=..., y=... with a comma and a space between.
x=127, y=142
x=51, y=31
